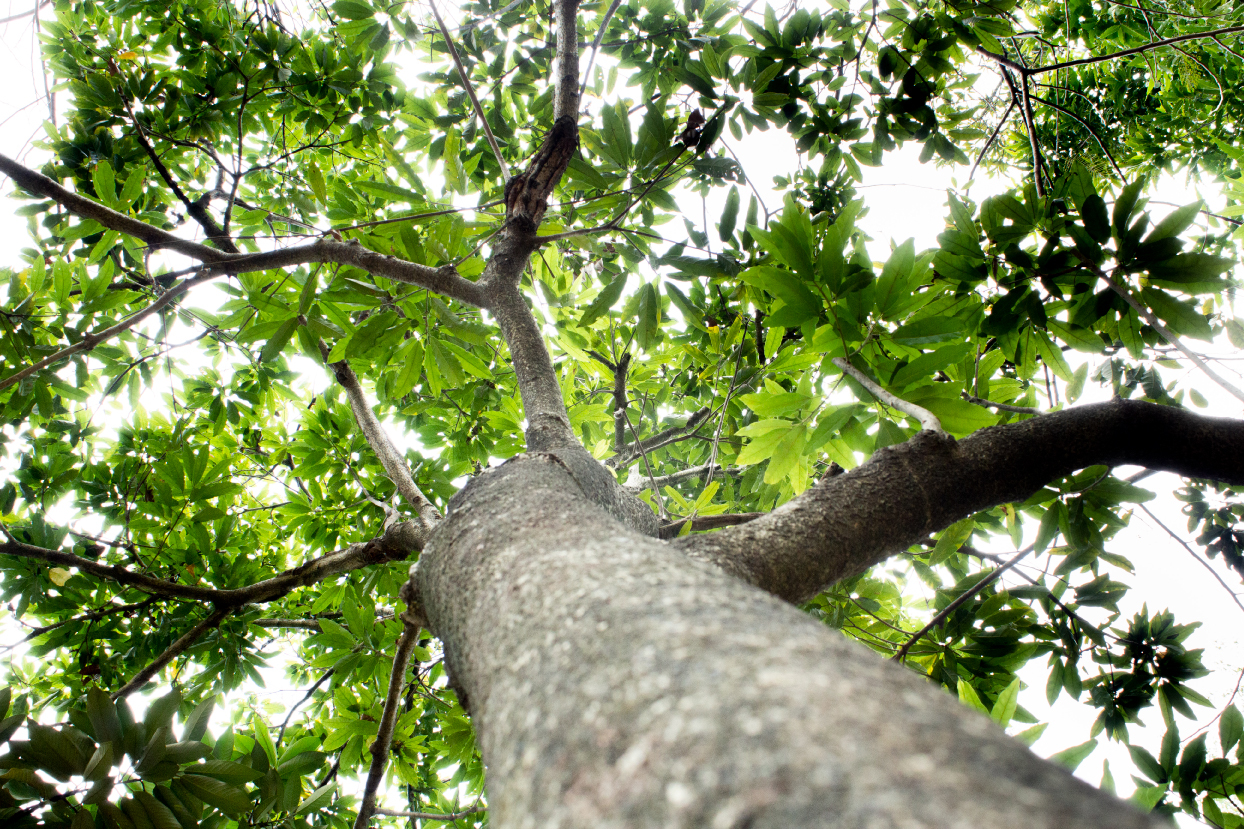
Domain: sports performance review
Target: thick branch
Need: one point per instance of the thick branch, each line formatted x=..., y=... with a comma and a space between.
x=443, y=280
x=174, y=650
x=384, y=734
x=847, y=523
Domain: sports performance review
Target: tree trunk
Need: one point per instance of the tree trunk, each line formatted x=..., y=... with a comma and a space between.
x=613, y=681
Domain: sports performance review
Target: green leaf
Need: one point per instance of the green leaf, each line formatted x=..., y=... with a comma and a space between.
x=1030, y=735
x=273, y=347
x=105, y=182
x=1182, y=318
x=227, y=798
x=969, y=697
x=1230, y=726
x=1147, y=764
x=263, y=738
x=316, y=181
x=1072, y=757
x=648, y=320
x=604, y=300
x=1004, y=705
x=1095, y=219
x=729, y=215
x=1175, y=223
x=786, y=454
x=352, y=9
x=760, y=448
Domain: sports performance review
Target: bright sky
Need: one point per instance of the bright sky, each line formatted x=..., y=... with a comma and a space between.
x=906, y=199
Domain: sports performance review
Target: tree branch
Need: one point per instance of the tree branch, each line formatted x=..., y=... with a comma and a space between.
x=466, y=82
x=928, y=421
x=397, y=543
x=566, y=96
x=443, y=280
x=687, y=474
x=384, y=734
x=93, y=339
x=431, y=815
x=632, y=451
x=1067, y=64
x=1091, y=131
x=173, y=651
x=703, y=523
x=1234, y=597
x=620, y=402
x=1170, y=337
x=849, y=522
x=971, y=592
x=390, y=458
x=1005, y=407
x=993, y=136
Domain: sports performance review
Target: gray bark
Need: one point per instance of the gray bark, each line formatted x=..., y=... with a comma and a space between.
x=616, y=682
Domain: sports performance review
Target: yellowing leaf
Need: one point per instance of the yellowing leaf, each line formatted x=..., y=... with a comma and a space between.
x=59, y=575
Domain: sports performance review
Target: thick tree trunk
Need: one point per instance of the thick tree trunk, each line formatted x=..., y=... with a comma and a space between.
x=614, y=681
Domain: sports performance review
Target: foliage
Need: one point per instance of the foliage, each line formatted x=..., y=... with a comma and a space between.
x=206, y=448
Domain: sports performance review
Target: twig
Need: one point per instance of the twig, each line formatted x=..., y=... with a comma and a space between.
x=311, y=692
x=600, y=35
x=927, y=419
x=384, y=733
x=993, y=137
x=989, y=404
x=647, y=465
x=174, y=650
x=1067, y=64
x=1170, y=337
x=1235, y=598
x=702, y=523
x=684, y=475
x=94, y=338
x=664, y=438
x=466, y=82
x=711, y=466
x=1091, y=131
x=431, y=815
x=953, y=606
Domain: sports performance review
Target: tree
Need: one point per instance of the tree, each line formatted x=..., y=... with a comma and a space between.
x=663, y=647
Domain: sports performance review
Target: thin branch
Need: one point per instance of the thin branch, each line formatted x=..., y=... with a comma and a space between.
x=703, y=523
x=1029, y=125
x=968, y=594
x=431, y=815
x=685, y=475
x=1234, y=597
x=1091, y=131
x=466, y=82
x=174, y=650
x=928, y=421
x=989, y=404
x=600, y=35
x=396, y=543
x=20, y=15
x=1170, y=337
x=993, y=137
x=663, y=438
x=725, y=405
x=648, y=466
x=1067, y=64
x=388, y=719
x=89, y=341
x=391, y=459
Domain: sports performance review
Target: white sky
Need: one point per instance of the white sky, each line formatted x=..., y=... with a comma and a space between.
x=905, y=199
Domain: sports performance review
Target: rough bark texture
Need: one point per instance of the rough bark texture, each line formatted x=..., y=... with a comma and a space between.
x=615, y=682
x=848, y=523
